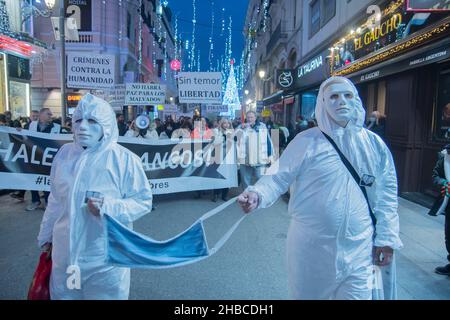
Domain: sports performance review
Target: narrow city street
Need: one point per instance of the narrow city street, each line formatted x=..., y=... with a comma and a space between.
x=250, y=266
x=109, y=103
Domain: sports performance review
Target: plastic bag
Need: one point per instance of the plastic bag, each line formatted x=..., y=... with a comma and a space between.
x=385, y=282
x=39, y=288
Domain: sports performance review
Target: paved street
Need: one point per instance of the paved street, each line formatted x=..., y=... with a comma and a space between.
x=251, y=265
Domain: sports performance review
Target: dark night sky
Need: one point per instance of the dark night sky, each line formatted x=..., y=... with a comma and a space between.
x=237, y=9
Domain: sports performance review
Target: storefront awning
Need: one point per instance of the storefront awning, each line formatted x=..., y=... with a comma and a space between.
x=273, y=99
x=418, y=58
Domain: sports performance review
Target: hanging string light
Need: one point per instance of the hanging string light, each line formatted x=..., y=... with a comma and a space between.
x=140, y=40
x=175, y=49
x=223, y=22
x=229, y=52
x=211, y=37
x=265, y=14
x=121, y=24
x=194, y=21
x=165, y=56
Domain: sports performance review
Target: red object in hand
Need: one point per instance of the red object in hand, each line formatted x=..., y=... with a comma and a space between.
x=445, y=190
x=40, y=286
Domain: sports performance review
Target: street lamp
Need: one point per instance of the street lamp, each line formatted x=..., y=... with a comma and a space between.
x=262, y=74
x=62, y=39
x=246, y=92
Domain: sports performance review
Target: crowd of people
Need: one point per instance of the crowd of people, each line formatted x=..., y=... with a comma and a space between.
x=195, y=127
x=345, y=239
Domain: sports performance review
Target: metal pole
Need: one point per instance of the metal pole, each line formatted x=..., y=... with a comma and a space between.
x=62, y=38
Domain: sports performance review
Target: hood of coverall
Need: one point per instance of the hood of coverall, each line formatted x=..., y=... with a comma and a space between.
x=92, y=107
x=324, y=120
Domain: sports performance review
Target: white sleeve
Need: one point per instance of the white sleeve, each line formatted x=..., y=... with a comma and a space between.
x=281, y=174
x=386, y=205
x=129, y=133
x=137, y=200
x=54, y=207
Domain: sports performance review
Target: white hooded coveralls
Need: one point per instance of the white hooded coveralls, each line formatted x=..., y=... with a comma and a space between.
x=77, y=236
x=330, y=238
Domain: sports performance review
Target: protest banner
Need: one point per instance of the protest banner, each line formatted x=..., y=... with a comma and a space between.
x=26, y=158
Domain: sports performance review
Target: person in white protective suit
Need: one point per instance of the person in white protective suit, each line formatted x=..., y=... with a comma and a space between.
x=331, y=245
x=94, y=162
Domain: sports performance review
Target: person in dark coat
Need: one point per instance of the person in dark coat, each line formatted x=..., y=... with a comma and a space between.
x=440, y=181
x=121, y=124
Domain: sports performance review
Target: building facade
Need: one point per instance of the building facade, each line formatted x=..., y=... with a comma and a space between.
x=272, y=32
x=138, y=33
x=17, y=50
x=397, y=56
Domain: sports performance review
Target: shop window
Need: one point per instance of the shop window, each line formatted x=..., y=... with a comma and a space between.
x=315, y=18
x=308, y=105
x=442, y=114
x=371, y=99
x=19, y=99
x=376, y=98
x=321, y=12
x=329, y=11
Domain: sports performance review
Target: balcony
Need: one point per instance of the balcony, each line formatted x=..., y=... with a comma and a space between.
x=278, y=37
x=84, y=37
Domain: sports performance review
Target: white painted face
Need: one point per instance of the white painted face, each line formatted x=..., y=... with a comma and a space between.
x=88, y=132
x=340, y=102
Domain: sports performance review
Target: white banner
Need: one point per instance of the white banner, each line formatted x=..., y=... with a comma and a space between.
x=26, y=158
x=90, y=71
x=171, y=108
x=200, y=87
x=145, y=94
x=115, y=96
x=215, y=108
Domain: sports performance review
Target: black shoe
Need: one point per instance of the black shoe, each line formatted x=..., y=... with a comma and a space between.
x=16, y=196
x=443, y=270
x=214, y=198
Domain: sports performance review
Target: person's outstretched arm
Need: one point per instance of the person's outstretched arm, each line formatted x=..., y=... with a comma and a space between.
x=277, y=179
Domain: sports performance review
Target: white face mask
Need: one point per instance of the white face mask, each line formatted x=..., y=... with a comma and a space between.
x=88, y=132
x=340, y=103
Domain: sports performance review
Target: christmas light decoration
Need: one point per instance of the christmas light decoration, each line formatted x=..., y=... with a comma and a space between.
x=194, y=21
x=223, y=22
x=265, y=14
x=140, y=40
x=211, y=37
x=175, y=51
x=231, y=95
x=394, y=50
x=165, y=56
